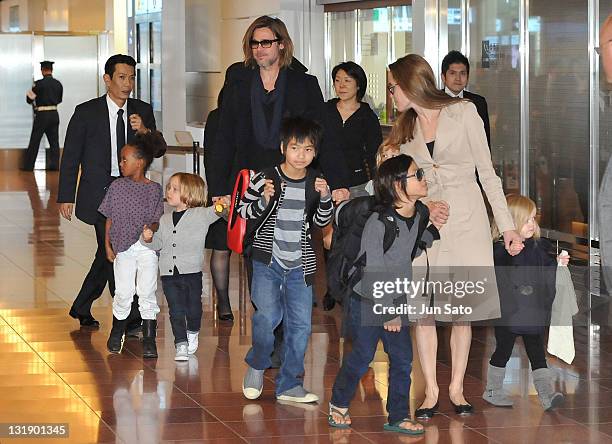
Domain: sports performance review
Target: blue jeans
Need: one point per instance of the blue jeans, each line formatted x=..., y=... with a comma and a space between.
x=398, y=347
x=280, y=295
x=184, y=295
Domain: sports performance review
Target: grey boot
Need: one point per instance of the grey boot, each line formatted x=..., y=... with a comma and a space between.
x=494, y=392
x=543, y=381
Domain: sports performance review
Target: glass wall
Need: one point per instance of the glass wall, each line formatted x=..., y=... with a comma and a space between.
x=145, y=31
x=605, y=105
x=559, y=115
x=373, y=38
x=455, y=37
x=531, y=61
x=16, y=75
x=495, y=74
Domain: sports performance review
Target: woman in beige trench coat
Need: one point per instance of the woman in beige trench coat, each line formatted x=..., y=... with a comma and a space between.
x=459, y=149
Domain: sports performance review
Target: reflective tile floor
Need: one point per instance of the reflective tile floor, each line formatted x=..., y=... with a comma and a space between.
x=53, y=372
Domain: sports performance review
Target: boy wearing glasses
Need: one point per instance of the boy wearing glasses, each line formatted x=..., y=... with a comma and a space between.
x=375, y=315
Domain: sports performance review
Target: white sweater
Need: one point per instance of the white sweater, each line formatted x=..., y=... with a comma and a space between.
x=182, y=246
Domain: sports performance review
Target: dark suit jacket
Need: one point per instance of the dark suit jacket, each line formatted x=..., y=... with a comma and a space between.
x=88, y=146
x=483, y=111
x=235, y=147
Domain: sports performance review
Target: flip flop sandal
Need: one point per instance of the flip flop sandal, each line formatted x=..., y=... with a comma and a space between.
x=395, y=427
x=333, y=423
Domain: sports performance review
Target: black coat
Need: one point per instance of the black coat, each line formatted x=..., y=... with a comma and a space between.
x=358, y=138
x=482, y=109
x=526, y=285
x=235, y=146
x=88, y=146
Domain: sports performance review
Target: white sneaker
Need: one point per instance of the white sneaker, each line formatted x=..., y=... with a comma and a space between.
x=297, y=394
x=192, y=340
x=181, y=353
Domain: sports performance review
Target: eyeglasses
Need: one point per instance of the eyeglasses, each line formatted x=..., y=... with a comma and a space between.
x=263, y=43
x=419, y=174
x=391, y=88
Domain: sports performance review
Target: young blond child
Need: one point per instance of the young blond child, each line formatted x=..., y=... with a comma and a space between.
x=526, y=285
x=385, y=151
x=180, y=242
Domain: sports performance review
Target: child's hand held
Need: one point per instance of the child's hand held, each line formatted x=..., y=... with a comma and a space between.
x=438, y=213
x=513, y=242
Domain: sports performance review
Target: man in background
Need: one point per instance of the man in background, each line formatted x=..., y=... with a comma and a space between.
x=455, y=75
x=45, y=95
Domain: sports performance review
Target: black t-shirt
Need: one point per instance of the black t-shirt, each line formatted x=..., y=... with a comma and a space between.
x=430, y=147
x=408, y=220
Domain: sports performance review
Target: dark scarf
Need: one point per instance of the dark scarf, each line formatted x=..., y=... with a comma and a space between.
x=267, y=134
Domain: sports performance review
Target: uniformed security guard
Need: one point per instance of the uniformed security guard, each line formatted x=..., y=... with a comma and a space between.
x=45, y=95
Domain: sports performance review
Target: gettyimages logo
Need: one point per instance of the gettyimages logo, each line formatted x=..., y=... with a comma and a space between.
x=412, y=288
x=453, y=292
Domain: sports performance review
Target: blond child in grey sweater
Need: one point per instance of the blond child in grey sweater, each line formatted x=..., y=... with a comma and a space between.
x=180, y=242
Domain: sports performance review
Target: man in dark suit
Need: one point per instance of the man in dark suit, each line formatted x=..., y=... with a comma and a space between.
x=258, y=93
x=45, y=95
x=97, y=131
x=455, y=75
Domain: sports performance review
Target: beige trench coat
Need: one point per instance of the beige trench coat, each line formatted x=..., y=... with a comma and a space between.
x=465, y=241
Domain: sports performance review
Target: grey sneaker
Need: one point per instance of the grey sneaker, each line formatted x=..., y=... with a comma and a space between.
x=252, y=385
x=181, y=352
x=297, y=394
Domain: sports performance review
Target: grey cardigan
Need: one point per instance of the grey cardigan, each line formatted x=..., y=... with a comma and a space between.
x=182, y=246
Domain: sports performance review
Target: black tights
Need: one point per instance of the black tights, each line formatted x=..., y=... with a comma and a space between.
x=534, y=346
x=219, y=268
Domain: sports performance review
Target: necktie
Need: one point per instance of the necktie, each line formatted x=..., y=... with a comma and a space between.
x=120, y=134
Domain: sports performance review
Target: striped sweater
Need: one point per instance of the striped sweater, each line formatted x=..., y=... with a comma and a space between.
x=262, y=218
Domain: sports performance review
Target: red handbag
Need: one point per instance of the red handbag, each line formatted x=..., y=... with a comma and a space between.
x=236, y=225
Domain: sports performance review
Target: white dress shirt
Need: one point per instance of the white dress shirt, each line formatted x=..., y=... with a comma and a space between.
x=112, y=118
x=452, y=94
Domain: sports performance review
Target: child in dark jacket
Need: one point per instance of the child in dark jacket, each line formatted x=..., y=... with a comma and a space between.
x=281, y=203
x=398, y=186
x=526, y=285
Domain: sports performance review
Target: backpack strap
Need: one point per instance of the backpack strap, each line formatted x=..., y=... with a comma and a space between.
x=391, y=229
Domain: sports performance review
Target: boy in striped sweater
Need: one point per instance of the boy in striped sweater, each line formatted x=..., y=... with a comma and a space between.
x=281, y=203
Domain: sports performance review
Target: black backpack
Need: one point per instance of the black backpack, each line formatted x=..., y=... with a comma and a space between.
x=344, y=269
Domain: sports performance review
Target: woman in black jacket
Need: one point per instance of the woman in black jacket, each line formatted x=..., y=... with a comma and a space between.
x=216, y=239
x=353, y=126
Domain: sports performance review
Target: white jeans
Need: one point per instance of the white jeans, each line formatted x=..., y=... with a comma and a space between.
x=135, y=273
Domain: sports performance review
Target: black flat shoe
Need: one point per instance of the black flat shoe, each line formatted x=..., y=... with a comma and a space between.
x=226, y=317
x=463, y=409
x=426, y=413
